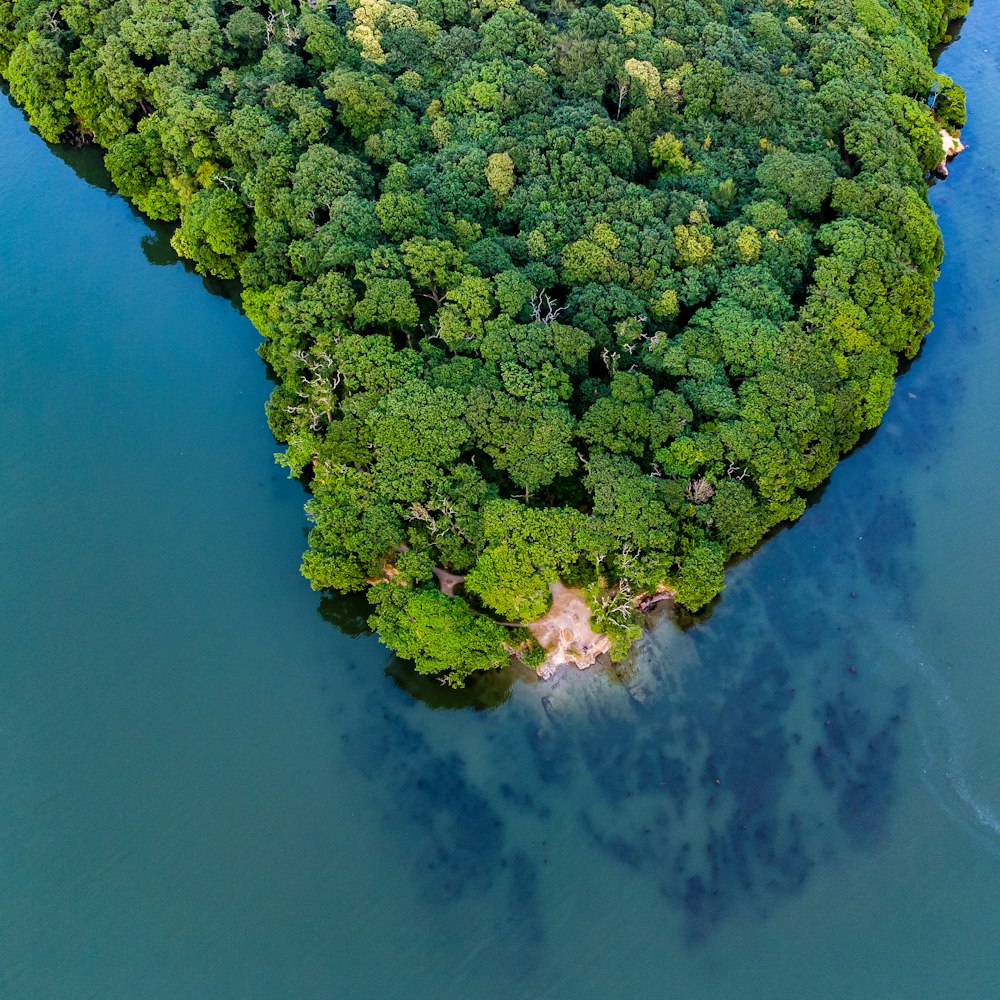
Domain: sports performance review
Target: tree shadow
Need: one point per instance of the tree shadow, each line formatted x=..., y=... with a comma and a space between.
x=482, y=692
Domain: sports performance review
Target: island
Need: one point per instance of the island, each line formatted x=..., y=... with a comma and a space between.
x=567, y=304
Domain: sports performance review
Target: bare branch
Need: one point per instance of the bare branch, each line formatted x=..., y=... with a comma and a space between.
x=699, y=491
x=544, y=308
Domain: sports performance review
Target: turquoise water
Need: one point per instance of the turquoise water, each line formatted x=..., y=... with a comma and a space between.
x=217, y=785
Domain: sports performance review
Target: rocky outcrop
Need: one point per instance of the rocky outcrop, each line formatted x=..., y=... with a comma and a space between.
x=565, y=633
x=951, y=146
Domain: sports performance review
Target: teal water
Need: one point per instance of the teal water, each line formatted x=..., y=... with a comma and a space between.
x=216, y=785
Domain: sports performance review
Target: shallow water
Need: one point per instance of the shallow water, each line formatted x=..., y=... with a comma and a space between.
x=217, y=785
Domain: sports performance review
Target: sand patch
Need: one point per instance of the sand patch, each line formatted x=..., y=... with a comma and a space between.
x=565, y=632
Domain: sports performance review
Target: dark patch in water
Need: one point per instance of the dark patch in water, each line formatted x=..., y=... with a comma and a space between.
x=552, y=764
x=523, y=801
x=456, y=832
x=723, y=784
x=719, y=762
x=519, y=928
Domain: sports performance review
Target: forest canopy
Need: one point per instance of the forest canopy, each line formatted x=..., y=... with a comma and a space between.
x=551, y=290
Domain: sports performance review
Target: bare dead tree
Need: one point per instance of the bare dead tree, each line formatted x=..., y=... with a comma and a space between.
x=439, y=514
x=53, y=22
x=544, y=308
x=610, y=360
x=435, y=295
x=418, y=512
x=315, y=416
x=320, y=381
x=699, y=491
x=651, y=340
x=292, y=32
x=623, y=84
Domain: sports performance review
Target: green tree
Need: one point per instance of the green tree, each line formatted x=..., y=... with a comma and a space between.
x=213, y=232
x=804, y=180
x=701, y=576
x=37, y=71
x=440, y=634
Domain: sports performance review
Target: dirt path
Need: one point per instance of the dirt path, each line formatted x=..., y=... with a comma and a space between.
x=448, y=581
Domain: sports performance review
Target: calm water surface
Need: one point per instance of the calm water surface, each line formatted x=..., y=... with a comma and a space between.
x=217, y=786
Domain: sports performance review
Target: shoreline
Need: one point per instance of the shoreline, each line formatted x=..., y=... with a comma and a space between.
x=566, y=634
x=951, y=146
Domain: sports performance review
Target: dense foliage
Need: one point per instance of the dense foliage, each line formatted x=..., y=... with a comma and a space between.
x=552, y=289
